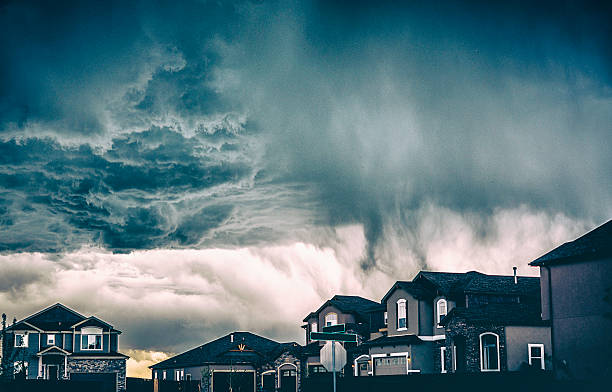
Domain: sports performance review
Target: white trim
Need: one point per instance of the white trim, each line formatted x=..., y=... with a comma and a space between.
x=51, y=348
x=33, y=326
x=355, y=363
x=278, y=370
x=443, y=359
x=541, y=359
x=325, y=319
x=267, y=372
x=397, y=315
x=454, y=357
x=23, y=334
x=431, y=338
x=50, y=339
x=482, y=369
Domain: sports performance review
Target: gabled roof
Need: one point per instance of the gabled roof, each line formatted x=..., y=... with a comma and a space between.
x=595, y=244
x=56, y=317
x=348, y=304
x=501, y=284
x=507, y=314
x=53, y=350
x=92, y=320
x=417, y=289
x=244, y=347
x=447, y=283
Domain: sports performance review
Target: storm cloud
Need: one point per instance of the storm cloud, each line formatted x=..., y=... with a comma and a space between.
x=383, y=139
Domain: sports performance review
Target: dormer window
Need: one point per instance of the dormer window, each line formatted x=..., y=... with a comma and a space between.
x=21, y=339
x=50, y=340
x=401, y=314
x=91, y=339
x=441, y=307
x=331, y=319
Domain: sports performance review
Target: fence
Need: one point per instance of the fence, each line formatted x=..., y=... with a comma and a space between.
x=50, y=386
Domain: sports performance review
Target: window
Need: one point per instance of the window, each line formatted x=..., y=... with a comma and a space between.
x=401, y=314
x=179, y=375
x=316, y=369
x=442, y=359
x=50, y=340
x=331, y=319
x=91, y=339
x=21, y=339
x=188, y=377
x=155, y=375
x=386, y=318
x=390, y=361
x=20, y=369
x=489, y=352
x=536, y=354
x=313, y=327
x=164, y=374
x=441, y=307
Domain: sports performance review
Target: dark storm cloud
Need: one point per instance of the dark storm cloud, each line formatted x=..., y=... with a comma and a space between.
x=137, y=125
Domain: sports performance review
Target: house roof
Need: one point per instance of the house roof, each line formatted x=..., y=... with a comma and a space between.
x=415, y=288
x=500, y=284
x=594, y=244
x=98, y=354
x=497, y=314
x=244, y=347
x=56, y=317
x=393, y=341
x=348, y=304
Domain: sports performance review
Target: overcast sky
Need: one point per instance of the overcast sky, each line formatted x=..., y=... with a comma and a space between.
x=185, y=169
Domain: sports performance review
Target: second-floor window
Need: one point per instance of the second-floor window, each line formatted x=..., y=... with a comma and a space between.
x=91, y=339
x=441, y=309
x=21, y=339
x=50, y=340
x=401, y=314
x=313, y=327
x=331, y=319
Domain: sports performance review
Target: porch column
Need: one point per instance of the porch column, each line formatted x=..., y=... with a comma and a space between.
x=65, y=366
x=40, y=366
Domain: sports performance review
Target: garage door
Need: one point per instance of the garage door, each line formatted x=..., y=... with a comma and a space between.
x=108, y=381
x=239, y=382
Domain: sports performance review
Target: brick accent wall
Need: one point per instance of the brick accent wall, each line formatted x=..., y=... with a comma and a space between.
x=471, y=333
x=100, y=366
x=284, y=358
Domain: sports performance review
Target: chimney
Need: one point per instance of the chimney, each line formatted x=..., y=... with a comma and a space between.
x=515, y=277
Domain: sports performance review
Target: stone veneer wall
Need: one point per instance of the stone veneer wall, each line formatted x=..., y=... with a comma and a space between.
x=437, y=365
x=100, y=366
x=284, y=358
x=471, y=333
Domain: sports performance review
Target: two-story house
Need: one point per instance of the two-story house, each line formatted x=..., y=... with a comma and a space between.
x=360, y=315
x=576, y=296
x=416, y=339
x=239, y=361
x=59, y=343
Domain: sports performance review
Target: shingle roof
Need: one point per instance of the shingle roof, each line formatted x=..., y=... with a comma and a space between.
x=393, y=340
x=447, y=282
x=594, y=244
x=223, y=350
x=497, y=314
x=94, y=354
x=349, y=304
x=415, y=288
x=497, y=284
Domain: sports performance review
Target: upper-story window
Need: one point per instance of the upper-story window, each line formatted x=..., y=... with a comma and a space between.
x=386, y=317
x=313, y=327
x=91, y=339
x=50, y=339
x=489, y=352
x=441, y=307
x=401, y=314
x=331, y=319
x=21, y=339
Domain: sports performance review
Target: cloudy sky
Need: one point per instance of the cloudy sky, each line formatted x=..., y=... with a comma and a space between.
x=185, y=169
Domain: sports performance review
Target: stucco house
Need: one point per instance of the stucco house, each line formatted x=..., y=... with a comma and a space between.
x=59, y=343
x=576, y=295
x=244, y=361
x=417, y=339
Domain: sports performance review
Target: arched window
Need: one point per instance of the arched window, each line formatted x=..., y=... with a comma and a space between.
x=489, y=352
x=401, y=314
x=441, y=309
x=331, y=319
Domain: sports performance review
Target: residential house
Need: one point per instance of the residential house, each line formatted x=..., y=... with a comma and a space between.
x=360, y=315
x=59, y=343
x=240, y=360
x=416, y=340
x=576, y=296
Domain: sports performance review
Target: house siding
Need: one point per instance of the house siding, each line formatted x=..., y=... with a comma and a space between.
x=517, y=340
x=412, y=313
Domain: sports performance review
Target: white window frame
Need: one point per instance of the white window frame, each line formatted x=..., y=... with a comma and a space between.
x=24, y=336
x=335, y=321
x=439, y=314
x=386, y=317
x=20, y=363
x=88, y=332
x=50, y=339
x=164, y=374
x=401, y=302
x=454, y=358
x=442, y=359
x=532, y=358
x=482, y=362
x=313, y=327
x=179, y=375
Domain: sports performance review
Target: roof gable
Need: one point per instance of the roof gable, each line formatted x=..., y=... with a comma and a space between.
x=352, y=304
x=594, y=244
x=54, y=318
x=416, y=289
